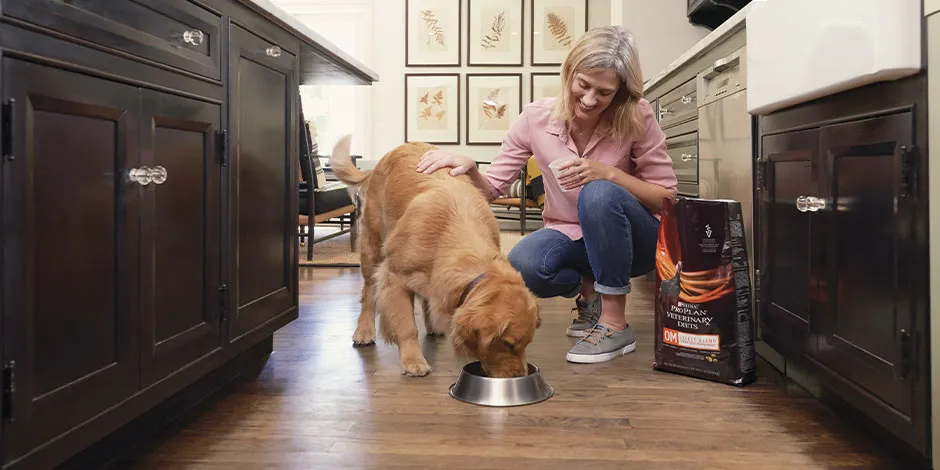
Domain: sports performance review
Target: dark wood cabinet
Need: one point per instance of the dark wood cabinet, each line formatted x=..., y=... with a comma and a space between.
x=867, y=224
x=843, y=254
x=179, y=33
x=148, y=201
x=181, y=225
x=71, y=243
x=263, y=212
x=787, y=237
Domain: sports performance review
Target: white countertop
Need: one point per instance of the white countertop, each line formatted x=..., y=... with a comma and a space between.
x=312, y=40
x=730, y=26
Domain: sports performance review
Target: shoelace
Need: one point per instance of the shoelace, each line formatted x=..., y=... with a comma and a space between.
x=584, y=313
x=597, y=334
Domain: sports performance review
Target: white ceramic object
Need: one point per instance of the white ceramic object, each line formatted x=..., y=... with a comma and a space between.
x=800, y=50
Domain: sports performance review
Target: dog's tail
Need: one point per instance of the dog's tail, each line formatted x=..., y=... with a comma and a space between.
x=342, y=164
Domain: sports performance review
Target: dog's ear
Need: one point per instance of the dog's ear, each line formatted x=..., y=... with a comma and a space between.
x=479, y=326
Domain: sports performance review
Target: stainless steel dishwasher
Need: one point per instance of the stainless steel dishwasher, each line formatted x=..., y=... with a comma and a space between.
x=725, y=152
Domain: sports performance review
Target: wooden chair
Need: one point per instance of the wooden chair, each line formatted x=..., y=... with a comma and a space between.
x=322, y=202
x=527, y=188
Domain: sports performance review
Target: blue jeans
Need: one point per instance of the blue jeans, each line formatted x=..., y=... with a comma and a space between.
x=619, y=242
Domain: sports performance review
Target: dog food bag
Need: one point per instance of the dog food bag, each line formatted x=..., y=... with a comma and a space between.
x=704, y=324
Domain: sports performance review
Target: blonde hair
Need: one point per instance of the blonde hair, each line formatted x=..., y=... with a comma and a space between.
x=606, y=48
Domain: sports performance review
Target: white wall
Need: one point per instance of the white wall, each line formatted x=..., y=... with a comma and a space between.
x=388, y=123
x=373, y=31
x=662, y=31
x=339, y=110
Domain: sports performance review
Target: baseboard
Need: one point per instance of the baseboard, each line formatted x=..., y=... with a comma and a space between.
x=173, y=413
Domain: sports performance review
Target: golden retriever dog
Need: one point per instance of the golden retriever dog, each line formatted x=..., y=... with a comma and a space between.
x=435, y=237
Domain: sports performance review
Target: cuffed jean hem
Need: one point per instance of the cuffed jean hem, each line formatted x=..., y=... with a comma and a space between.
x=612, y=290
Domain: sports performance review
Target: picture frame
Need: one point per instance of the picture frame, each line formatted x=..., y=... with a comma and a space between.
x=432, y=108
x=433, y=33
x=495, y=33
x=494, y=101
x=555, y=26
x=544, y=84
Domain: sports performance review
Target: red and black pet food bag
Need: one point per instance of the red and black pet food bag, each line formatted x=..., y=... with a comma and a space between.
x=704, y=321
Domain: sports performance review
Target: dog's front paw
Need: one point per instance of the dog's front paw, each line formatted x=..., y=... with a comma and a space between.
x=363, y=337
x=415, y=367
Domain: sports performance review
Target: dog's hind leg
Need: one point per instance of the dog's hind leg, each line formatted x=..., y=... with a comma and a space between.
x=396, y=306
x=365, y=329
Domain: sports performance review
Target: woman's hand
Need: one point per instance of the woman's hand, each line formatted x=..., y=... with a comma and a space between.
x=581, y=171
x=434, y=160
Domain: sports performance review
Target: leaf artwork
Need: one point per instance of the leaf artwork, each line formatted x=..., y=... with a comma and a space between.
x=495, y=34
x=559, y=29
x=432, y=109
x=491, y=107
x=434, y=28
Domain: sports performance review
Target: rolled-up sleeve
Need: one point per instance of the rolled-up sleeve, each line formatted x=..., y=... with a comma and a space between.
x=513, y=155
x=653, y=163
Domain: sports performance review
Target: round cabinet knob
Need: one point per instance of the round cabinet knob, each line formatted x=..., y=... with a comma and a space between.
x=194, y=37
x=140, y=175
x=158, y=174
x=802, y=203
x=816, y=203
x=274, y=51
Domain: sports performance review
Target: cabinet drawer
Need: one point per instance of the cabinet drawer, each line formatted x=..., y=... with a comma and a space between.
x=683, y=150
x=177, y=33
x=679, y=105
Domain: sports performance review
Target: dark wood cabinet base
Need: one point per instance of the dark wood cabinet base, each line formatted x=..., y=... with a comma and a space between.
x=172, y=409
x=842, y=258
x=148, y=206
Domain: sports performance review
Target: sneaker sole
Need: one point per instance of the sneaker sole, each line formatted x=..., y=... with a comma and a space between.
x=595, y=358
x=576, y=332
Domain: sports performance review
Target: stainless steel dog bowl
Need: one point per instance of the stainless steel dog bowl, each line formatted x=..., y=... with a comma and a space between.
x=473, y=386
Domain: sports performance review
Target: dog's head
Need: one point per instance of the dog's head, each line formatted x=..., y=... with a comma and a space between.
x=496, y=323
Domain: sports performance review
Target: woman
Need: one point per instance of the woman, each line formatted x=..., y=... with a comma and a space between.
x=601, y=213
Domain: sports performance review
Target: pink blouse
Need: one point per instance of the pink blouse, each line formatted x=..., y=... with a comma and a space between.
x=534, y=132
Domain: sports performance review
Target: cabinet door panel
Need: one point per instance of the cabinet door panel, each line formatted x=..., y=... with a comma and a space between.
x=868, y=301
x=180, y=261
x=70, y=223
x=786, y=235
x=263, y=189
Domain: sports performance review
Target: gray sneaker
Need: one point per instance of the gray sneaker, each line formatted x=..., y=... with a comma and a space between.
x=602, y=344
x=588, y=314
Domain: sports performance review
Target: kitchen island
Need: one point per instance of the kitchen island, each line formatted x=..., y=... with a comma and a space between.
x=149, y=210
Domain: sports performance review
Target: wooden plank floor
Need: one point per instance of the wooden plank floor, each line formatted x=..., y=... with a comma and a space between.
x=320, y=403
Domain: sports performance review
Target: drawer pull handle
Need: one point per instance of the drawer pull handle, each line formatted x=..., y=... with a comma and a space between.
x=274, y=51
x=194, y=37
x=687, y=157
x=686, y=99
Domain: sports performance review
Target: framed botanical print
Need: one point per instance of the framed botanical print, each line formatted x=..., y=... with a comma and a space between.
x=493, y=102
x=556, y=25
x=495, y=32
x=432, y=108
x=432, y=33
x=543, y=85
